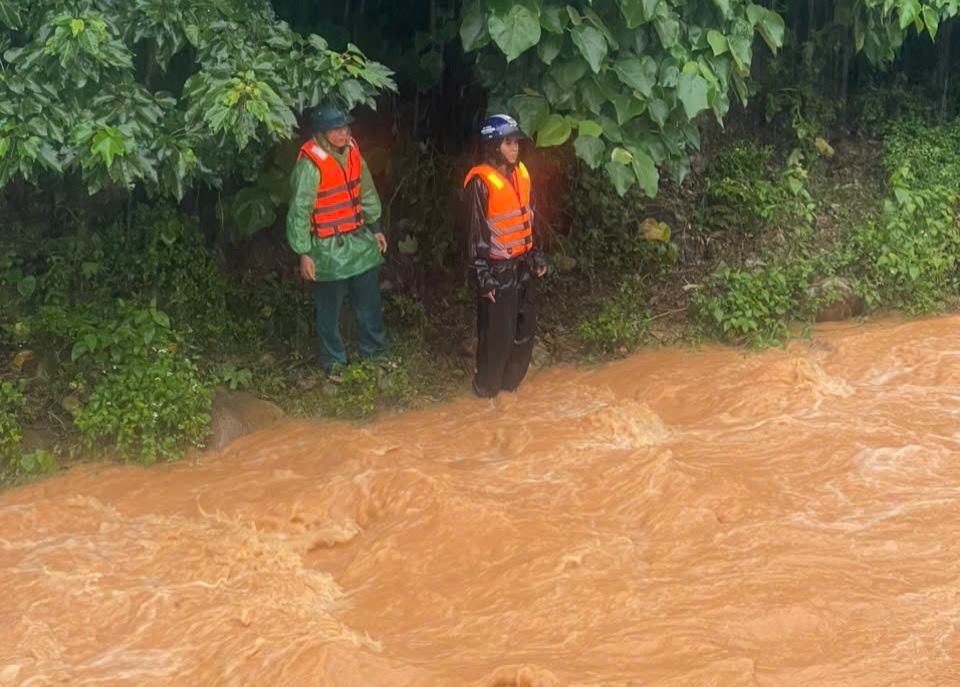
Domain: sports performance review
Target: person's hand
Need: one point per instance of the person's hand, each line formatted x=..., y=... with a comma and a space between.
x=307, y=269
x=541, y=271
x=491, y=296
x=382, y=242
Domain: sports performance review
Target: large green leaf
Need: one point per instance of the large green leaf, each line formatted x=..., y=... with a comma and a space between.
x=717, y=41
x=646, y=172
x=632, y=11
x=637, y=12
x=549, y=47
x=252, y=210
x=637, y=72
x=553, y=18
x=10, y=14
x=592, y=45
x=668, y=28
x=622, y=176
x=556, y=130
x=628, y=107
x=569, y=72
x=740, y=42
x=588, y=127
x=692, y=90
x=591, y=95
x=659, y=111
x=909, y=11
x=769, y=24
x=931, y=20
x=590, y=149
x=724, y=7
x=473, y=30
x=107, y=145
x=516, y=31
x=611, y=130
x=532, y=112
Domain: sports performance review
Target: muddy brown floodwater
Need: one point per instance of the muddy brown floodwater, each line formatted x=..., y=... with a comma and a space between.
x=676, y=519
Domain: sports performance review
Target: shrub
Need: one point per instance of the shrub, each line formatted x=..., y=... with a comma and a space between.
x=164, y=256
x=930, y=152
x=10, y=402
x=907, y=258
x=620, y=326
x=140, y=391
x=755, y=306
x=606, y=233
x=745, y=191
x=366, y=383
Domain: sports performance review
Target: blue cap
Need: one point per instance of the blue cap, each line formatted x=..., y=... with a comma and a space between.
x=327, y=117
x=499, y=127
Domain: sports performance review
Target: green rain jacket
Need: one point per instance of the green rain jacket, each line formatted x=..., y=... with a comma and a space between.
x=334, y=260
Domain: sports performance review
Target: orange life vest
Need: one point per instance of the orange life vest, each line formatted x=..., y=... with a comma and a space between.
x=337, y=208
x=508, y=210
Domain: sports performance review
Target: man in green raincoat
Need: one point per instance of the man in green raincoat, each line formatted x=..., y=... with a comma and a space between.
x=333, y=225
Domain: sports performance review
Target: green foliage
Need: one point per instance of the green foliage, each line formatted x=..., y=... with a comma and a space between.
x=888, y=103
x=164, y=256
x=907, y=258
x=930, y=151
x=10, y=402
x=134, y=383
x=621, y=325
x=139, y=390
x=753, y=306
x=268, y=308
x=606, y=235
x=407, y=314
x=160, y=254
x=630, y=76
x=743, y=190
x=425, y=194
x=365, y=385
x=147, y=408
x=232, y=377
x=120, y=93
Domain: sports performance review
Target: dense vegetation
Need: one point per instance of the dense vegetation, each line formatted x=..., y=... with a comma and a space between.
x=707, y=169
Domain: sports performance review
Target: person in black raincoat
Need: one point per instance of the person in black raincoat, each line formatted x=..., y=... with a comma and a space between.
x=499, y=217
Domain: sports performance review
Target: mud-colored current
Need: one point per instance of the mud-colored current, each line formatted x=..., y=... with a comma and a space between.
x=678, y=519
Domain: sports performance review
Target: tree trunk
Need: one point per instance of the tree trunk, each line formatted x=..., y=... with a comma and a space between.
x=845, y=80
x=943, y=65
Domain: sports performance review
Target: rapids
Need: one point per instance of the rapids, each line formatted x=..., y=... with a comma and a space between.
x=677, y=519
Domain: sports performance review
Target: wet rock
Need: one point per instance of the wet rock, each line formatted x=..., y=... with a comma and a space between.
x=849, y=307
x=838, y=300
x=71, y=404
x=236, y=413
x=541, y=355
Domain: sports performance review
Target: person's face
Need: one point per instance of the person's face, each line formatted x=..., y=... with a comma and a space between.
x=338, y=137
x=510, y=149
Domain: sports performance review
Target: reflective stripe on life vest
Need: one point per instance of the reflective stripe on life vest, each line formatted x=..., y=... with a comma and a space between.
x=509, y=216
x=337, y=208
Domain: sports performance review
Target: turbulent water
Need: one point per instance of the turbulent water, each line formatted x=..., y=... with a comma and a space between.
x=676, y=519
